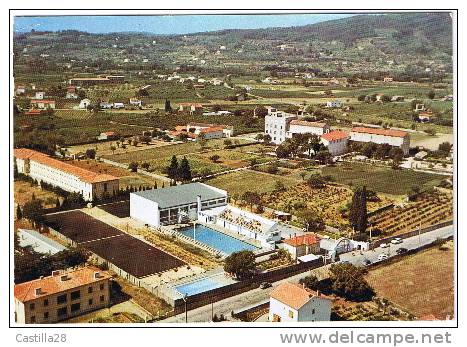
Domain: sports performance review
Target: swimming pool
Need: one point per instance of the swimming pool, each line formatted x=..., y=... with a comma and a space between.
x=216, y=239
x=200, y=286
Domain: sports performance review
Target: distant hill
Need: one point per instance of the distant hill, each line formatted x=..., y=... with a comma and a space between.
x=422, y=31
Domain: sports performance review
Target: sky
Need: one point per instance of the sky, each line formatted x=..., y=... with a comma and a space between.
x=166, y=25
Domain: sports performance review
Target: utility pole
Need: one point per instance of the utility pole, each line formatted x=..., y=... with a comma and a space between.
x=419, y=233
x=186, y=312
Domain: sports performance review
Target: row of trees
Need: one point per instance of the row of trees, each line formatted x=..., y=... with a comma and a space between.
x=179, y=171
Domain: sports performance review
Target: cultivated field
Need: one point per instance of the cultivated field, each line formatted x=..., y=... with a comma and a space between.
x=382, y=179
x=23, y=192
x=422, y=283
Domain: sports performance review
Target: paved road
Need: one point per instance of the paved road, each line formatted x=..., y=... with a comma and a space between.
x=203, y=314
x=414, y=242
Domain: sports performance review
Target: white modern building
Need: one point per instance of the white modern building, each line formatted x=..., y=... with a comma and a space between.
x=336, y=141
x=290, y=302
x=244, y=223
x=83, y=104
x=395, y=138
x=43, y=168
x=175, y=204
x=197, y=128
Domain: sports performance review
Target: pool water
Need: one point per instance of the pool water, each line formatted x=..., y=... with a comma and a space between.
x=199, y=286
x=217, y=240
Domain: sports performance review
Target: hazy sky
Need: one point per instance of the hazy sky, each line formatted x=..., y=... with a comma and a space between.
x=180, y=24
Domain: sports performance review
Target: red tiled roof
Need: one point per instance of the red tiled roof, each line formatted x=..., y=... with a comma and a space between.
x=211, y=130
x=197, y=105
x=335, y=135
x=83, y=174
x=308, y=124
x=52, y=284
x=380, y=131
x=293, y=295
x=33, y=112
x=308, y=239
x=39, y=101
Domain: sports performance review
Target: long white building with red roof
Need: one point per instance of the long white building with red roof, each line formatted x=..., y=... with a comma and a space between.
x=392, y=137
x=43, y=168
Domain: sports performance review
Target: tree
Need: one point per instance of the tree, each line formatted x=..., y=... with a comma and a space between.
x=184, y=170
x=445, y=148
x=259, y=137
x=283, y=151
x=316, y=181
x=133, y=166
x=358, y=210
x=251, y=198
x=324, y=157
x=113, y=148
x=349, y=282
x=267, y=139
x=167, y=107
x=19, y=213
x=241, y=264
x=312, y=221
x=172, y=170
x=310, y=282
x=361, y=97
x=33, y=211
x=214, y=158
x=145, y=165
x=227, y=142
x=431, y=94
x=145, y=139
x=91, y=153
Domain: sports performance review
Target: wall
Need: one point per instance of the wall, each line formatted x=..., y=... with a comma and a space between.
x=144, y=210
x=322, y=309
x=282, y=310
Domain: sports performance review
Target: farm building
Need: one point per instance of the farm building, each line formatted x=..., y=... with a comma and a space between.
x=196, y=128
x=176, y=204
x=83, y=104
x=395, y=138
x=193, y=108
x=108, y=135
x=62, y=295
x=43, y=168
x=291, y=302
x=305, y=127
x=336, y=141
x=334, y=104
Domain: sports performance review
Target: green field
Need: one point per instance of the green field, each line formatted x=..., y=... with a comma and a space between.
x=381, y=179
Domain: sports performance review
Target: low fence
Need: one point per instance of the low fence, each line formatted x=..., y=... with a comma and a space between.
x=230, y=290
x=411, y=233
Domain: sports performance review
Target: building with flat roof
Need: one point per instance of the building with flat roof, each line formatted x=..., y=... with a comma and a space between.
x=176, y=204
x=38, y=242
x=63, y=295
x=392, y=137
x=44, y=168
x=291, y=302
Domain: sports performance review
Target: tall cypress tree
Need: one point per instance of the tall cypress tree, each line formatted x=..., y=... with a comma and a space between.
x=167, y=107
x=173, y=170
x=358, y=210
x=184, y=170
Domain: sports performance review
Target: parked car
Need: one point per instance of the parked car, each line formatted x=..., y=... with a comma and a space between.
x=384, y=245
x=265, y=285
x=396, y=241
x=401, y=250
x=366, y=262
x=383, y=256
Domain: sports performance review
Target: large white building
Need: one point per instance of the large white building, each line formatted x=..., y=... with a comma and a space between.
x=43, y=168
x=276, y=124
x=395, y=138
x=336, y=141
x=290, y=302
x=176, y=204
x=281, y=126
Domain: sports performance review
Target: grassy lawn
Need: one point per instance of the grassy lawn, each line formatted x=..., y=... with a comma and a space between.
x=422, y=283
x=237, y=183
x=381, y=179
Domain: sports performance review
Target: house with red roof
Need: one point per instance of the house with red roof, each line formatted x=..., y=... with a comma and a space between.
x=42, y=104
x=62, y=295
x=292, y=302
x=301, y=245
x=192, y=108
x=336, y=141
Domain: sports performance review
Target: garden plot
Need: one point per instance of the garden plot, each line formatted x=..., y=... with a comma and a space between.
x=329, y=202
x=428, y=209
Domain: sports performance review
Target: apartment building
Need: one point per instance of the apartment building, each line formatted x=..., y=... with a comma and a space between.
x=43, y=168
x=395, y=138
x=276, y=124
x=61, y=296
